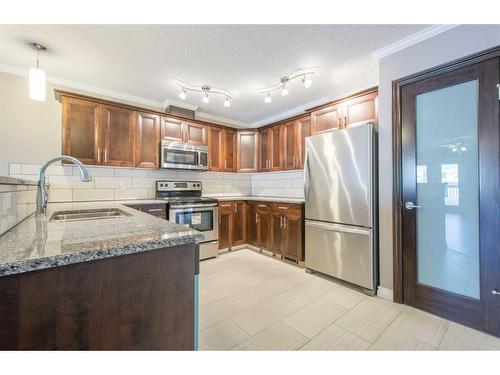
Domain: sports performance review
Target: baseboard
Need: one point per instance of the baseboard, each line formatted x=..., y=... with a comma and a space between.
x=385, y=293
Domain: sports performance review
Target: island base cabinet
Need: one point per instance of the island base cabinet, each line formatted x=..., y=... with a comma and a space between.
x=139, y=301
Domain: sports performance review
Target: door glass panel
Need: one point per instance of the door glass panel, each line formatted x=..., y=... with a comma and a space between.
x=448, y=189
x=200, y=220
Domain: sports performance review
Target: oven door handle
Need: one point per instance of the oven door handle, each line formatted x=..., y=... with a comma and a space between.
x=179, y=208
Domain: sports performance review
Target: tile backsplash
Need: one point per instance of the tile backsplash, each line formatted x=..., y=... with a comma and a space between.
x=17, y=201
x=288, y=184
x=135, y=183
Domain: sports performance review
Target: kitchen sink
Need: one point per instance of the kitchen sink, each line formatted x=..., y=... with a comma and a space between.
x=90, y=214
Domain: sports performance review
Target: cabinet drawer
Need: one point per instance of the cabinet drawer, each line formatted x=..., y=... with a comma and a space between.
x=226, y=206
x=286, y=207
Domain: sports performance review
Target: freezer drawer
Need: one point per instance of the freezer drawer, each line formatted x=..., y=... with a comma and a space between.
x=209, y=249
x=341, y=251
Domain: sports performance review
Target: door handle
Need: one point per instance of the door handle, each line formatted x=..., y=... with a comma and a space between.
x=411, y=206
x=495, y=292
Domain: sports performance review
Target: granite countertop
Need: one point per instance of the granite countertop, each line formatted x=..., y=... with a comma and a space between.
x=256, y=198
x=37, y=243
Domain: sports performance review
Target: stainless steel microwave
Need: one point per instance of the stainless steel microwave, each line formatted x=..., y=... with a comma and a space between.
x=177, y=155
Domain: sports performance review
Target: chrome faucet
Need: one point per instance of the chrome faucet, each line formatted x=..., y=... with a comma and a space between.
x=41, y=199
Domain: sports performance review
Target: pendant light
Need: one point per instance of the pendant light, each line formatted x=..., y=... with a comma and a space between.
x=268, y=99
x=227, y=102
x=37, y=77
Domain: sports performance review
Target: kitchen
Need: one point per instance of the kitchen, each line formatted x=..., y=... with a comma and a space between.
x=276, y=233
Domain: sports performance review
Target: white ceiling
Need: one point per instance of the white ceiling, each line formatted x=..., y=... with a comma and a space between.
x=144, y=60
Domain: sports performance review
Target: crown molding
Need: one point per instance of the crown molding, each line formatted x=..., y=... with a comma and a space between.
x=411, y=40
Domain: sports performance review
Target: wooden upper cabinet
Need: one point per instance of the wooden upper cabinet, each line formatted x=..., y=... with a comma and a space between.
x=276, y=149
x=229, y=138
x=195, y=134
x=119, y=136
x=147, y=140
x=172, y=130
x=325, y=119
x=361, y=109
x=215, y=150
x=264, y=149
x=291, y=140
x=247, y=156
x=304, y=125
x=81, y=130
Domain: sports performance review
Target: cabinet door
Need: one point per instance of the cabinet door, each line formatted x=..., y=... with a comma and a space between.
x=252, y=223
x=264, y=149
x=291, y=140
x=360, y=109
x=195, y=134
x=292, y=247
x=230, y=150
x=304, y=126
x=276, y=149
x=264, y=225
x=147, y=140
x=81, y=130
x=119, y=136
x=225, y=224
x=239, y=223
x=277, y=231
x=215, y=150
x=325, y=119
x=172, y=129
x=247, y=151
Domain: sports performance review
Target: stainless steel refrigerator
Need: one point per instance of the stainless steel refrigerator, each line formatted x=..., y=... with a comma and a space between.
x=340, y=194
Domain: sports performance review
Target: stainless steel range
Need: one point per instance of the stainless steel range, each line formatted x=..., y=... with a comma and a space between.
x=187, y=207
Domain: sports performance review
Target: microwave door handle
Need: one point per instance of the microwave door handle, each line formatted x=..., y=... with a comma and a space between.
x=199, y=159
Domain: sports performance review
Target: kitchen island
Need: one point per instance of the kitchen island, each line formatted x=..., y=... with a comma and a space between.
x=126, y=282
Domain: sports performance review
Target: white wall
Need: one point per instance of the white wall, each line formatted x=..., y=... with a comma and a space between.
x=453, y=44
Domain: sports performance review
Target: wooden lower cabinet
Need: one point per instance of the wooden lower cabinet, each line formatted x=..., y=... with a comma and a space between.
x=232, y=224
x=276, y=227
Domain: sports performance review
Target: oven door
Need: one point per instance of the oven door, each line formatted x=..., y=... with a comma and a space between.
x=201, y=217
x=176, y=155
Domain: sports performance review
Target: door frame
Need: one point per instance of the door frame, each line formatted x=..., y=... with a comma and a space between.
x=397, y=152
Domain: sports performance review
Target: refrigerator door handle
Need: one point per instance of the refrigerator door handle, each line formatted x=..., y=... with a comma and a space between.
x=306, y=178
x=338, y=227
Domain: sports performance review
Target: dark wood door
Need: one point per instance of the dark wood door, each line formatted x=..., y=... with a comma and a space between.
x=81, y=130
x=247, y=154
x=230, y=150
x=216, y=156
x=449, y=207
x=172, y=130
x=226, y=216
x=293, y=235
x=147, y=140
x=119, y=136
x=195, y=134
x=252, y=223
x=239, y=223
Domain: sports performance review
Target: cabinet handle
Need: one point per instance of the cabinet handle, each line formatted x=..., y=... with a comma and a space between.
x=235, y=208
x=284, y=223
x=261, y=205
x=98, y=155
x=281, y=222
x=225, y=165
x=283, y=208
x=257, y=218
x=105, y=155
x=155, y=210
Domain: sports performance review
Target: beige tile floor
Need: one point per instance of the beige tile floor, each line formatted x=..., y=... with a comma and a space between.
x=251, y=301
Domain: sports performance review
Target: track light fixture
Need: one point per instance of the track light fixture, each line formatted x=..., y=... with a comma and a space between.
x=206, y=90
x=305, y=74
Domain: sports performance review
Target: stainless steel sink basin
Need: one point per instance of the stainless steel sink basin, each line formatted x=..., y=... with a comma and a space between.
x=91, y=214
